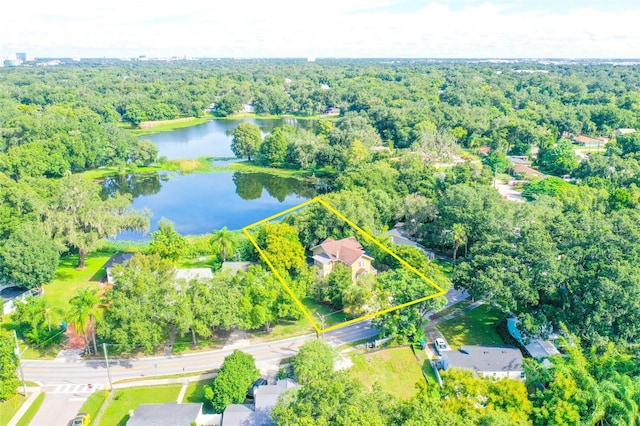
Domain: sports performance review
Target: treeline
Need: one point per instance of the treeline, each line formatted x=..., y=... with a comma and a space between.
x=67, y=111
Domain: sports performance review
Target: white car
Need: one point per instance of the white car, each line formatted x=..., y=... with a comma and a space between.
x=440, y=345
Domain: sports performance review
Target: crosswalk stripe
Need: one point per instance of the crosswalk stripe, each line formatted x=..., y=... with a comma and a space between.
x=72, y=388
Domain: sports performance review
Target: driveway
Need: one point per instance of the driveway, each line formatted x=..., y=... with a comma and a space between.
x=508, y=193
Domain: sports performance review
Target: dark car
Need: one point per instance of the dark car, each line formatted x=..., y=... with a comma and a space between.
x=251, y=393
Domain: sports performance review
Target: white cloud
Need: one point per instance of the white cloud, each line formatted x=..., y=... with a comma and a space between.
x=355, y=28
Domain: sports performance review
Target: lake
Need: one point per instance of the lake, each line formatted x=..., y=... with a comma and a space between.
x=199, y=203
x=213, y=138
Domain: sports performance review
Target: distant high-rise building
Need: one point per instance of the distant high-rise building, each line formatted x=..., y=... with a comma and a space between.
x=21, y=56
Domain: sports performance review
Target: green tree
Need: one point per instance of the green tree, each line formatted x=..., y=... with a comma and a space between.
x=471, y=395
x=210, y=305
x=559, y=160
x=80, y=218
x=8, y=367
x=459, y=235
x=337, y=282
x=230, y=386
x=273, y=150
x=630, y=143
x=281, y=244
x=223, y=242
x=29, y=257
x=141, y=306
x=83, y=312
x=246, y=140
x=166, y=242
x=334, y=399
x=497, y=161
x=34, y=323
x=314, y=361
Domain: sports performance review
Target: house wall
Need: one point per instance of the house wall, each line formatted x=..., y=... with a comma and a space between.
x=362, y=263
x=324, y=269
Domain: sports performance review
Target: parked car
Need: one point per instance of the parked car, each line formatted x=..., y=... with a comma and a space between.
x=440, y=345
x=82, y=419
x=251, y=393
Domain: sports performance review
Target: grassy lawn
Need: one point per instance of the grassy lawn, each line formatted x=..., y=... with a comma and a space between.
x=57, y=293
x=195, y=393
x=68, y=280
x=284, y=329
x=9, y=408
x=93, y=404
x=166, y=376
x=184, y=344
x=475, y=327
x=427, y=368
x=117, y=413
x=31, y=412
x=152, y=127
x=396, y=370
x=452, y=309
x=211, y=261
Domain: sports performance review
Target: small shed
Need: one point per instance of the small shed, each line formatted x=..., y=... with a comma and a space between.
x=116, y=259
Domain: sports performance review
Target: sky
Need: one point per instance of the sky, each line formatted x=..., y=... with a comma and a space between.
x=331, y=28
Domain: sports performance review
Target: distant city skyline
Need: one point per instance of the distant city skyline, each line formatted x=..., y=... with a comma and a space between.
x=332, y=28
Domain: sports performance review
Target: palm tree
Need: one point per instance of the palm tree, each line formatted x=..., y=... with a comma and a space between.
x=84, y=308
x=459, y=234
x=223, y=242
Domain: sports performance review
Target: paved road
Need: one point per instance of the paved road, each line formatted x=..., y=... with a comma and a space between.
x=66, y=380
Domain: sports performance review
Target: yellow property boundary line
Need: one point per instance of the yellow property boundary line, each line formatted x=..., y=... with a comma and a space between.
x=364, y=234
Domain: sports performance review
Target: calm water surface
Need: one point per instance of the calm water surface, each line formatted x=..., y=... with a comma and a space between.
x=199, y=203
x=213, y=138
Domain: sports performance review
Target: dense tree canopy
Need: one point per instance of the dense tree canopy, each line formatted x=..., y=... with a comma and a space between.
x=236, y=375
x=8, y=367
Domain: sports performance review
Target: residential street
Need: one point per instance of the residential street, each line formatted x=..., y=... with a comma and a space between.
x=66, y=380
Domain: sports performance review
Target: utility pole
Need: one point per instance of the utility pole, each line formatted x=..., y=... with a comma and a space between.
x=322, y=328
x=19, y=356
x=106, y=359
x=323, y=317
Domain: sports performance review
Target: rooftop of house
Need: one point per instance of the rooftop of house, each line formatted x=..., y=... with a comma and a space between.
x=168, y=414
x=521, y=168
x=267, y=395
x=259, y=414
x=235, y=267
x=589, y=140
x=485, y=358
x=193, y=273
x=519, y=159
x=237, y=415
x=346, y=250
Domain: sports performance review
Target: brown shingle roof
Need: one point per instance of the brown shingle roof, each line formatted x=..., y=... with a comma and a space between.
x=346, y=250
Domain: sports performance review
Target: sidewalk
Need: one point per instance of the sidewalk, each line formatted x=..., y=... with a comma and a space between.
x=35, y=391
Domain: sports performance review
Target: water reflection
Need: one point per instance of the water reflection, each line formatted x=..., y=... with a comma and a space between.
x=213, y=138
x=133, y=184
x=249, y=186
x=198, y=203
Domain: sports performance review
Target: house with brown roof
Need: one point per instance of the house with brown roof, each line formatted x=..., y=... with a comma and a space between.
x=583, y=140
x=346, y=251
